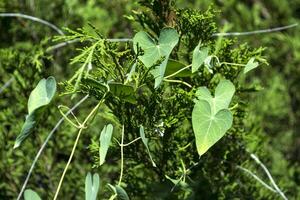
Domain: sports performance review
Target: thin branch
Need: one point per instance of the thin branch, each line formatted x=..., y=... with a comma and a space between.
x=45, y=144
x=7, y=84
x=177, y=72
x=257, y=178
x=254, y=157
x=122, y=156
x=33, y=19
x=62, y=44
x=269, y=30
x=129, y=143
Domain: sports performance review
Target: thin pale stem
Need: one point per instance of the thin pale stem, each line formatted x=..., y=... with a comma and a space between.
x=45, y=144
x=257, y=178
x=122, y=157
x=235, y=64
x=129, y=143
x=75, y=145
x=33, y=19
x=269, y=30
x=178, y=81
x=175, y=73
x=7, y=84
x=254, y=157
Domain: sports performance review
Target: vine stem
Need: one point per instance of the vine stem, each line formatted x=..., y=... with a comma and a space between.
x=122, y=157
x=82, y=126
x=254, y=157
x=45, y=144
x=7, y=84
x=177, y=72
x=178, y=81
x=33, y=19
x=269, y=30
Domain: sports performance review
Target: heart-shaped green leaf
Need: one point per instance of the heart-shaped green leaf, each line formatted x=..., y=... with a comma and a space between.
x=154, y=51
x=31, y=195
x=39, y=98
x=209, y=127
x=199, y=56
x=105, y=139
x=250, y=65
x=91, y=186
x=223, y=95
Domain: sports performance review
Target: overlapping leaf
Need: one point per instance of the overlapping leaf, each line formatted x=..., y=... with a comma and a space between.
x=250, y=65
x=154, y=51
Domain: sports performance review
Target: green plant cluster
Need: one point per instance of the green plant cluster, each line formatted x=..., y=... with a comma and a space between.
x=136, y=127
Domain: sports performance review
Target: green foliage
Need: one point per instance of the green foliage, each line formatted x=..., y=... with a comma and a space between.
x=105, y=139
x=211, y=117
x=150, y=123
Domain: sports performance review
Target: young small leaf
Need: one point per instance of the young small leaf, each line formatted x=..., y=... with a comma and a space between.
x=105, y=139
x=153, y=51
x=91, y=186
x=250, y=65
x=145, y=141
x=31, y=195
x=199, y=56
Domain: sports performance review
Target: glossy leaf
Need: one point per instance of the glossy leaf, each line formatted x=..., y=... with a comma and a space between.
x=209, y=127
x=105, y=140
x=145, y=141
x=250, y=65
x=31, y=195
x=154, y=51
x=199, y=56
x=124, y=92
x=40, y=97
x=223, y=95
x=92, y=185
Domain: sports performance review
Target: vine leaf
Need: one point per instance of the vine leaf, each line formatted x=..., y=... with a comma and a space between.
x=211, y=117
x=145, y=141
x=40, y=97
x=31, y=195
x=250, y=65
x=199, y=56
x=209, y=127
x=92, y=184
x=105, y=139
x=154, y=51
